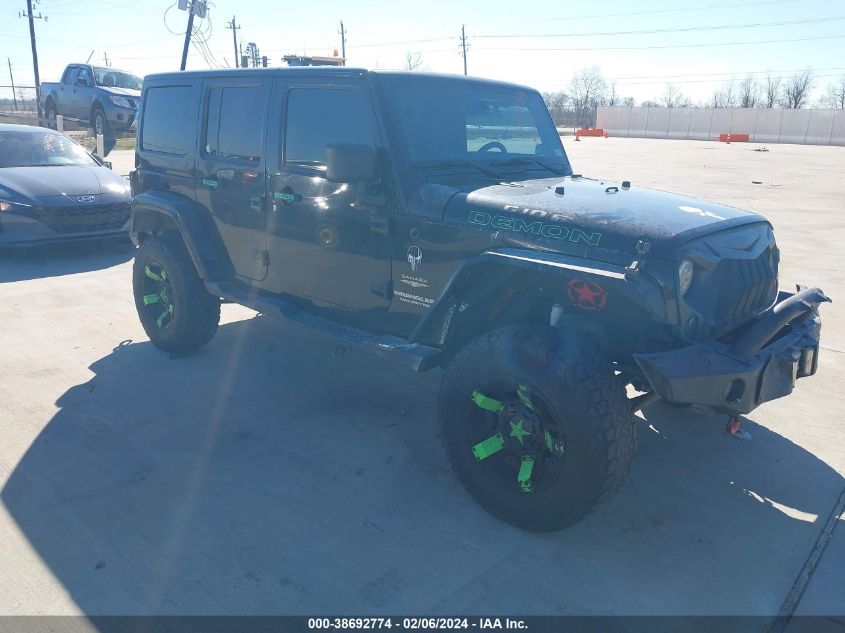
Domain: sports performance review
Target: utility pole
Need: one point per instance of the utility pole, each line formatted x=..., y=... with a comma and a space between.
x=234, y=28
x=12, y=79
x=343, y=42
x=188, y=35
x=464, y=46
x=32, y=19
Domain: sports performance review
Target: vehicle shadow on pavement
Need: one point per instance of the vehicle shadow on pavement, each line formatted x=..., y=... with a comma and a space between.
x=267, y=475
x=54, y=260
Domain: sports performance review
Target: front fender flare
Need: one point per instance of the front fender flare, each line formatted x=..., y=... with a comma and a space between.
x=491, y=269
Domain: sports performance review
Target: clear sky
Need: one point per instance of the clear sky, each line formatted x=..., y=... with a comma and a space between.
x=681, y=43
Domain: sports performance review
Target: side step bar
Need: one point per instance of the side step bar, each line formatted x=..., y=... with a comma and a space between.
x=418, y=357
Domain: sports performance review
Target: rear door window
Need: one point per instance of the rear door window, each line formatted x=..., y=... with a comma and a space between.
x=167, y=124
x=234, y=123
x=317, y=117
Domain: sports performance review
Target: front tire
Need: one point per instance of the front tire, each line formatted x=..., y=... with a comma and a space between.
x=177, y=312
x=535, y=426
x=99, y=123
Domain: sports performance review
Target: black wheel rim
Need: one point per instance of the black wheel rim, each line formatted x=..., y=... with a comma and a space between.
x=157, y=295
x=514, y=437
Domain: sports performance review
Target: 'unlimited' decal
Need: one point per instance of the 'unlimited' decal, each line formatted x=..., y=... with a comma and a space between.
x=533, y=227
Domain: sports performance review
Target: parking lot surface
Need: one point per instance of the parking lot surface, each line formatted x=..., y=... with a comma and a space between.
x=267, y=475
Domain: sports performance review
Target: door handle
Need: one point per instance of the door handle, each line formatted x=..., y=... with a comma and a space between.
x=380, y=224
x=256, y=203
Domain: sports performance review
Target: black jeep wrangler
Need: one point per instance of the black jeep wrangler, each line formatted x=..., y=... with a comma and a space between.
x=437, y=220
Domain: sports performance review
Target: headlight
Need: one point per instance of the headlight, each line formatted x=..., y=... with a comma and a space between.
x=5, y=206
x=119, y=101
x=685, y=274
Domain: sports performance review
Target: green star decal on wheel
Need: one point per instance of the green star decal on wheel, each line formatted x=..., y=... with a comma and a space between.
x=518, y=431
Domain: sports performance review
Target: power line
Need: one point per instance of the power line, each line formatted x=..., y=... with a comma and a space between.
x=728, y=74
x=657, y=11
x=641, y=48
x=672, y=30
x=404, y=42
x=699, y=81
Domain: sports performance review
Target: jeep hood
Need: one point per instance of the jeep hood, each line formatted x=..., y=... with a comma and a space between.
x=561, y=213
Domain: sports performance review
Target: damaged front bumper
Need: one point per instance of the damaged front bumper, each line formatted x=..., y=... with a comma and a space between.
x=752, y=366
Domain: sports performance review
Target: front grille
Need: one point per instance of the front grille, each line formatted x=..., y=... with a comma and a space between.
x=746, y=286
x=82, y=218
x=736, y=278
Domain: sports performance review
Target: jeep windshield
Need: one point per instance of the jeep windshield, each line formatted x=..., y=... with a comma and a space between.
x=451, y=122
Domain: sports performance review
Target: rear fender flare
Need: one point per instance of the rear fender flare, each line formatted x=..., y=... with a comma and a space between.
x=155, y=212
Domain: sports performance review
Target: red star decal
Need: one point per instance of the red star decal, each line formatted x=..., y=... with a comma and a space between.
x=586, y=294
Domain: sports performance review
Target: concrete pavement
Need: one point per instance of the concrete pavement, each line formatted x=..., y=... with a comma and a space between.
x=265, y=475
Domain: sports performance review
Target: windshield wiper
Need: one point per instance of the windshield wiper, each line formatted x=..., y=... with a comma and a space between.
x=459, y=162
x=530, y=159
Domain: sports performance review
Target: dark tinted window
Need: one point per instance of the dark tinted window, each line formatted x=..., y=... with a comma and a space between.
x=168, y=122
x=234, y=123
x=318, y=117
x=69, y=75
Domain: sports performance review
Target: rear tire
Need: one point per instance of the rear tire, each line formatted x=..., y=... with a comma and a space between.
x=50, y=116
x=582, y=439
x=177, y=312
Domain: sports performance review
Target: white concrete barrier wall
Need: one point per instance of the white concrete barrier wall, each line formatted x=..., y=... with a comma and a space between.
x=763, y=125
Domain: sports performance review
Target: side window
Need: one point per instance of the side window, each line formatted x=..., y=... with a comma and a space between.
x=317, y=117
x=70, y=75
x=166, y=123
x=234, y=123
x=85, y=74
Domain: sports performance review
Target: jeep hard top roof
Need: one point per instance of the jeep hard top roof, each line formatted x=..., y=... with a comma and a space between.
x=327, y=71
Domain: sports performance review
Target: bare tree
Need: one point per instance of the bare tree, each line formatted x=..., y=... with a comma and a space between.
x=724, y=97
x=649, y=104
x=772, y=91
x=796, y=91
x=613, y=97
x=413, y=61
x=674, y=98
x=557, y=103
x=749, y=92
x=628, y=101
x=834, y=97
x=588, y=90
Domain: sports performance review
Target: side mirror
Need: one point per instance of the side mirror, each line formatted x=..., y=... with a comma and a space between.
x=350, y=163
x=81, y=81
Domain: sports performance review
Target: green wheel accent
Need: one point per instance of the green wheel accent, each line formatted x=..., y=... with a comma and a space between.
x=518, y=431
x=152, y=275
x=149, y=299
x=486, y=403
x=490, y=446
x=526, y=467
x=522, y=392
x=160, y=319
x=554, y=446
